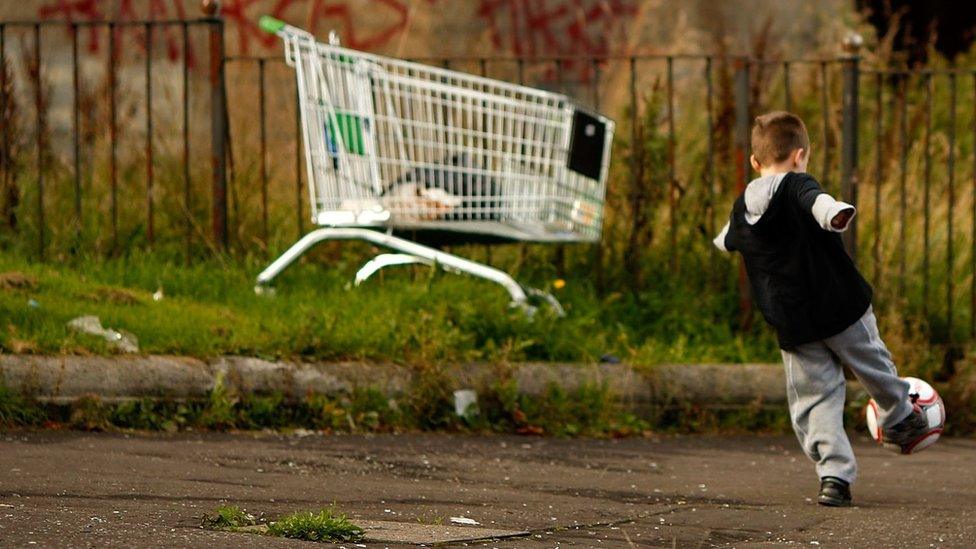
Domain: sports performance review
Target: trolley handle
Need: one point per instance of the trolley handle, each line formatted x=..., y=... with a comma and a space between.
x=289, y=34
x=271, y=25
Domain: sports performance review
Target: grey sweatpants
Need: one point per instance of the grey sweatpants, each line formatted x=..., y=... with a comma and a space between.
x=816, y=390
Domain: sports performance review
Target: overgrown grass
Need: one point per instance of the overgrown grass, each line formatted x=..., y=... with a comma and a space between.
x=326, y=525
x=409, y=316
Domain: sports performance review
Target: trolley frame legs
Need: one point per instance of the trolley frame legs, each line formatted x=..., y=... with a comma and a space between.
x=410, y=252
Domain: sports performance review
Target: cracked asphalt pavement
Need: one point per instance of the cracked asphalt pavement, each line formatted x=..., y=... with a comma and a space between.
x=115, y=489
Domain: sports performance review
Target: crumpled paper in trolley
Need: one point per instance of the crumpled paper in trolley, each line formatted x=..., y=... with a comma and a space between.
x=92, y=325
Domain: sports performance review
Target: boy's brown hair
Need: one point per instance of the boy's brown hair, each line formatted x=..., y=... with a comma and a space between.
x=777, y=134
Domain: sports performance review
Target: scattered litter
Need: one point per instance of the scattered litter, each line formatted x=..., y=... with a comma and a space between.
x=33, y=303
x=91, y=325
x=158, y=294
x=465, y=520
x=465, y=403
x=610, y=359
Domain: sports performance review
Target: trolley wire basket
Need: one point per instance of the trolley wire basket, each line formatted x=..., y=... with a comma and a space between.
x=404, y=147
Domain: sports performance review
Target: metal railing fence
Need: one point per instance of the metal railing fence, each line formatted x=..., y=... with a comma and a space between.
x=153, y=148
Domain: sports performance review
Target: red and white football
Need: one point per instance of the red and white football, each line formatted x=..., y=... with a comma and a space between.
x=924, y=397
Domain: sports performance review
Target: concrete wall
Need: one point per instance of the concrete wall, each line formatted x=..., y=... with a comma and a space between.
x=422, y=28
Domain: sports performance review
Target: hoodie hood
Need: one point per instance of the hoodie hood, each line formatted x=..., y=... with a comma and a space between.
x=759, y=193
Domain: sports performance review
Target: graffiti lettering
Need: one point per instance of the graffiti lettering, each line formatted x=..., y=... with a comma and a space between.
x=556, y=27
x=71, y=11
x=526, y=28
x=75, y=10
x=239, y=14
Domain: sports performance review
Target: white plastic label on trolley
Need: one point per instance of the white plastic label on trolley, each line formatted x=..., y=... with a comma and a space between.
x=402, y=145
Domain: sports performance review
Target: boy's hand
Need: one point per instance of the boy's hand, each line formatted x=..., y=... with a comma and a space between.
x=840, y=221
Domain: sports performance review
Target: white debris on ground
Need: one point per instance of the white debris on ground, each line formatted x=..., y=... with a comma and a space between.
x=92, y=325
x=465, y=403
x=465, y=520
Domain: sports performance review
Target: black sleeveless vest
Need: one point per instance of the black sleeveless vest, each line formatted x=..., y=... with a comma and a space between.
x=802, y=279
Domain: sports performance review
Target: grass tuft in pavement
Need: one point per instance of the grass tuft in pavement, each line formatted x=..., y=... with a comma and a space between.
x=229, y=516
x=326, y=525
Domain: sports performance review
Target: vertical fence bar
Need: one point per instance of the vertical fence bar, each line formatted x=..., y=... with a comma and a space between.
x=39, y=105
x=825, y=116
x=848, y=159
x=298, y=164
x=262, y=120
x=595, y=78
x=672, y=181
x=560, y=249
x=951, y=196
x=636, y=153
x=903, y=186
x=187, y=205
x=878, y=167
x=972, y=237
x=76, y=128
x=597, y=265
x=743, y=124
x=113, y=139
x=483, y=67
x=786, y=87
x=4, y=166
x=218, y=135
x=150, y=217
x=710, y=164
x=925, y=200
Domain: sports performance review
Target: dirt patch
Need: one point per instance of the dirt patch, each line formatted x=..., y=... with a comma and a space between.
x=117, y=296
x=15, y=280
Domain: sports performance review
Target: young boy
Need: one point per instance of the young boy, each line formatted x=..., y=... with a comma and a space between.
x=807, y=287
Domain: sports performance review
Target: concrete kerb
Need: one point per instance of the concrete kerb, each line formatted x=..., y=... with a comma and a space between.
x=63, y=379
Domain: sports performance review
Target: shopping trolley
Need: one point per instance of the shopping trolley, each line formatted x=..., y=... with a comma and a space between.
x=395, y=149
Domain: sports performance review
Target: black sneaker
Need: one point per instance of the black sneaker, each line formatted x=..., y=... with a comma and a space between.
x=834, y=492
x=902, y=436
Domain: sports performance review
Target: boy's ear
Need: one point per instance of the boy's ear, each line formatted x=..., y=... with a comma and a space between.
x=799, y=155
x=755, y=163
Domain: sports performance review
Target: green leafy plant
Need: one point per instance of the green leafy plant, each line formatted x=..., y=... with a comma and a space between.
x=326, y=525
x=229, y=516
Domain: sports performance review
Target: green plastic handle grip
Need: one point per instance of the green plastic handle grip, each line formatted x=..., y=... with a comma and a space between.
x=270, y=25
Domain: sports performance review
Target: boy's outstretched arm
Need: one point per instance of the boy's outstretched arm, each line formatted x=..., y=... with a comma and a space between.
x=831, y=214
x=719, y=240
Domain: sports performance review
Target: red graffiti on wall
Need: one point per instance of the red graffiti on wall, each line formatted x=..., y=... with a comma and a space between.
x=235, y=12
x=527, y=28
x=75, y=10
x=240, y=15
x=530, y=28
x=72, y=11
x=342, y=12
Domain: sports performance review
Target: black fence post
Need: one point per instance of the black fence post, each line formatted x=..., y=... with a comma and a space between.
x=218, y=131
x=849, y=125
x=743, y=136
